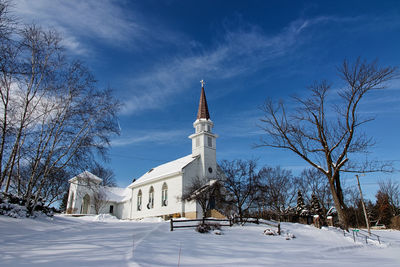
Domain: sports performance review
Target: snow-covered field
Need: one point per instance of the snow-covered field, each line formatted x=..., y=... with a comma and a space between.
x=87, y=241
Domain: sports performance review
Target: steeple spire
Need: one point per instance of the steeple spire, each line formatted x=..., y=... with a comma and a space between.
x=204, y=141
x=203, y=108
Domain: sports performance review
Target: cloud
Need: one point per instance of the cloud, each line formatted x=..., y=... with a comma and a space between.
x=91, y=20
x=241, y=123
x=155, y=136
x=239, y=52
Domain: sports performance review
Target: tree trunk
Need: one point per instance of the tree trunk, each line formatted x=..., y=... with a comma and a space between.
x=341, y=210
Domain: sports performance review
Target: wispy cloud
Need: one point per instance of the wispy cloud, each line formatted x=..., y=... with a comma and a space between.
x=149, y=136
x=242, y=123
x=240, y=52
x=101, y=21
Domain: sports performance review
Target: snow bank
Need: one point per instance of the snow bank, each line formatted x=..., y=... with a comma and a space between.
x=79, y=241
x=105, y=218
x=151, y=220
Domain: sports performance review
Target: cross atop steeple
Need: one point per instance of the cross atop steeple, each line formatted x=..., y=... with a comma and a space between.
x=202, y=83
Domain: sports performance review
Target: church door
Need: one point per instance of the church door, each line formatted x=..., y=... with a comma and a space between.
x=86, y=204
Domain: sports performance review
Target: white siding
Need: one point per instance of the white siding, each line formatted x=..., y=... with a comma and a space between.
x=174, y=194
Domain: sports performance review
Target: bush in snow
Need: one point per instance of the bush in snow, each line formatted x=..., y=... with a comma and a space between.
x=289, y=236
x=15, y=206
x=207, y=227
x=269, y=231
x=217, y=232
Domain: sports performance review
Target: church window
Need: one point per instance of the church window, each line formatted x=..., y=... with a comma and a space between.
x=164, y=195
x=209, y=141
x=197, y=141
x=139, y=200
x=150, y=205
x=208, y=128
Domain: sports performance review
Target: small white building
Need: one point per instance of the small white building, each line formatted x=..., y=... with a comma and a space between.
x=158, y=192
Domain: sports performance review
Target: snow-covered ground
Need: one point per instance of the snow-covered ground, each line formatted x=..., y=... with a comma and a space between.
x=104, y=241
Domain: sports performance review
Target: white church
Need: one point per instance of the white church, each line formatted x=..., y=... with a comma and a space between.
x=158, y=192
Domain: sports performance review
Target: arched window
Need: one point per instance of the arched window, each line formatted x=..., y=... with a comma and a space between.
x=164, y=195
x=139, y=200
x=150, y=205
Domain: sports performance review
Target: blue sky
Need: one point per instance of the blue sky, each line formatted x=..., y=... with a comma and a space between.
x=154, y=53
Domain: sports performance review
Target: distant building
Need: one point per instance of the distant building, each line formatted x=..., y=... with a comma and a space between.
x=158, y=192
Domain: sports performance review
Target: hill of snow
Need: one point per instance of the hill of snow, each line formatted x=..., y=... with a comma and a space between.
x=106, y=241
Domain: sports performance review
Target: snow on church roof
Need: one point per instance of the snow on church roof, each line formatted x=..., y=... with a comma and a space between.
x=117, y=194
x=164, y=170
x=86, y=175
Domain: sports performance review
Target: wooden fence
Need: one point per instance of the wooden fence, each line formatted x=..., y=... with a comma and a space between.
x=172, y=222
x=228, y=222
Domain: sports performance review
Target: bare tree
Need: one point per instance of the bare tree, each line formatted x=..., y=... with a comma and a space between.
x=53, y=116
x=278, y=186
x=312, y=181
x=106, y=174
x=324, y=141
x=100, y=199
x=207, y=193
x=392, y=190
x=241, y=182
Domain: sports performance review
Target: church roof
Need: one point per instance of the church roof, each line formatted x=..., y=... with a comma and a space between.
x=86, y=175
x=203, y=107
x=117, y=194
x=164, y=170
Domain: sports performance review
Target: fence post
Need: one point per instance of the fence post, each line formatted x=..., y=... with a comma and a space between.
x=230, y=222
x=204, y=220
x=354, y=237
x=378, y=239
x=279, y=228
x=257, y=221
x=172, y=224
x=366, y=239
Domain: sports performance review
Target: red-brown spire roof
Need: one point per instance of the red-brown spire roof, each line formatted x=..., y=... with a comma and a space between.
x=203, y=108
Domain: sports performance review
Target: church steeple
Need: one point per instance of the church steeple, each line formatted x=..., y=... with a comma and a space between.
x=203, y=107
x=203, y=139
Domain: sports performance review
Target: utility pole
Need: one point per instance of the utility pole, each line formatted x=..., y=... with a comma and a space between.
x=363, y=205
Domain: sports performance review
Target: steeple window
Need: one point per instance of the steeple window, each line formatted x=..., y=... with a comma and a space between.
x=209, y=139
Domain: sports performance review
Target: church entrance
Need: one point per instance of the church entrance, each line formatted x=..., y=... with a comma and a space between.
x=85, y=204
